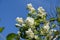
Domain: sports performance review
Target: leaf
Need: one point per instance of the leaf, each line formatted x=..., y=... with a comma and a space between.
x=52, y=19
x=36, y=32
x=11, y=36
x=56, y=33
x=58, y=9
x=1, y=29
x=58, y=19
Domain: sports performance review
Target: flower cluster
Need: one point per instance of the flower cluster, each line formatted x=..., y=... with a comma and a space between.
x=31, y=8
x=41, y=12
x=30, y=33
x=30, y=28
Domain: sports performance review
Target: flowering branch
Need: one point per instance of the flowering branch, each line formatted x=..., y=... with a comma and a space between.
x=36, y=26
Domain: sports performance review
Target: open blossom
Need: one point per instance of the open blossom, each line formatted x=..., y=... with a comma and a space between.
x=30, y=33
x=19, y=20
x=31, y=8
x=36, y=36
x=30, y=21
x=29, y=5
x=46, y=26
x=41, y=11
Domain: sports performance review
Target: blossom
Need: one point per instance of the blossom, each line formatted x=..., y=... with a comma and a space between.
x=31, y=8
x=40, y=9
x=19, y=20
x=30, y=21
x=53, y=30
x=36, y=36
x=41, y=12
x=46, y=26
x=29, y=5
x=30, y=33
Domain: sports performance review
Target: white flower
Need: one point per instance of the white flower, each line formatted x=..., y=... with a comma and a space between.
x=29, y=5
x=41, y=11
x=46, y=26
x=53, y=30
x=30, y=33
x=30, y=21
x=19, y=20
x=36, y=36
x=31, y=8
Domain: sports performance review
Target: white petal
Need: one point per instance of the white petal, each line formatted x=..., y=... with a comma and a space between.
x=36, y=36
x=18, y=25
x=19, y=20
x=30, y=33
x=29, y=5
x=30, y=21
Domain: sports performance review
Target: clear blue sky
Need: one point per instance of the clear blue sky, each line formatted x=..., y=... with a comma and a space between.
x=10, y=9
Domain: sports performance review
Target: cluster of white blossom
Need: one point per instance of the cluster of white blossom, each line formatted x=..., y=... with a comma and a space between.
x=30, y=22
x=46, y=26
x=30, y=33
x=20, y=22
x=41, y=12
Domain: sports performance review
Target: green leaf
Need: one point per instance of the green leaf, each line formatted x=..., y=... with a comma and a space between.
x=58, y=19
x=58, y=9
x=36, y=32
x=52, y=19
x=56, y=33
x=29, y=14
x=1, y=29
x=11, y=36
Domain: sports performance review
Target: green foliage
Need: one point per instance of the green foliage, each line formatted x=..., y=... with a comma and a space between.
x=11, y=36
x=58, y=19
x=58, y=10
x=1, y=29
x=52, y=19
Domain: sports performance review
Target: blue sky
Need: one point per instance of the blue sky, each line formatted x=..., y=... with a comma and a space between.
x=10, y=9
